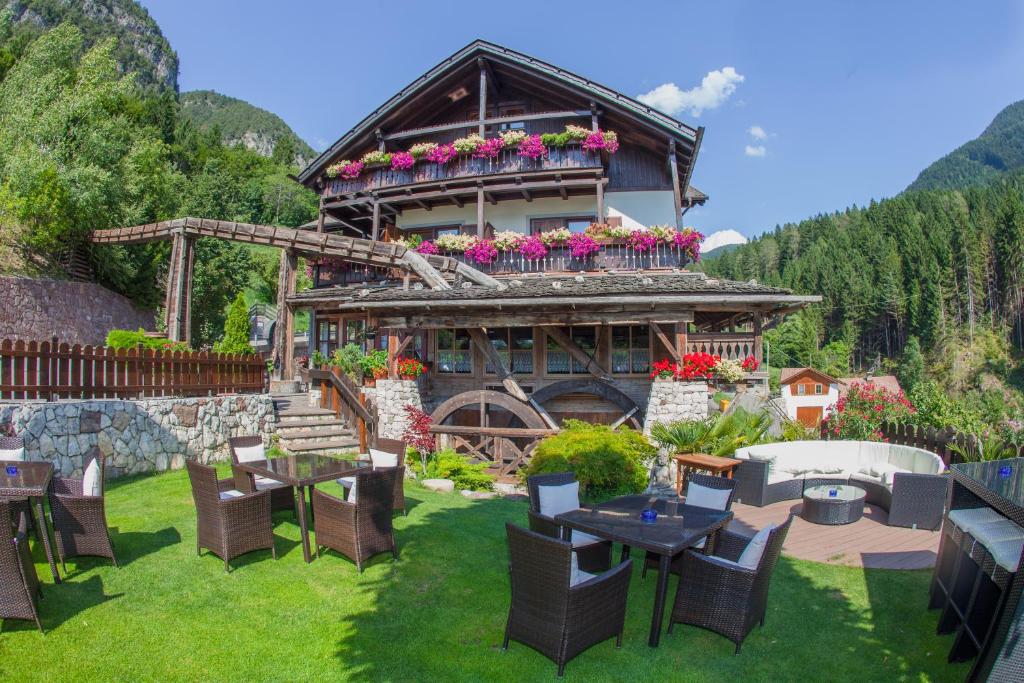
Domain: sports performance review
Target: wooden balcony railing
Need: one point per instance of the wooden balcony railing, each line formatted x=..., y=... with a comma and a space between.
x=508, y=161
x=350, y=274
x=730, y=346
x=559, y=259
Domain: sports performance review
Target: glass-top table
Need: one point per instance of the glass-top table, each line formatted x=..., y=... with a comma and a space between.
x=833, y=504
x=303, y=470
x=1003, y=478
x=31, y=480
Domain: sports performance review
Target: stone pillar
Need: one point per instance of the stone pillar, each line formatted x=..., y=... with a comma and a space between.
x=669, y=402
x=392, y=397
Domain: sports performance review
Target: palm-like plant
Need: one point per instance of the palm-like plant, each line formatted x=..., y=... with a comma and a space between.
x=686, y=436
x=719, y=436
x=986, y=447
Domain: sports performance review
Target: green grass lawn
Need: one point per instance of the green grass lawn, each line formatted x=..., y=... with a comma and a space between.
x=436, y=614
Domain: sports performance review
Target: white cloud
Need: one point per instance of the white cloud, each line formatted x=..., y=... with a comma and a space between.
x=714, y=89
x=757, y=132
x=755, y=150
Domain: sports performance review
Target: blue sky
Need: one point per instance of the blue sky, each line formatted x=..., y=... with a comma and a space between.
x=850, y=99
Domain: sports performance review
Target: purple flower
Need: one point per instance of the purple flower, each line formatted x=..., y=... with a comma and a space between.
x=401, y=161
x=442, y=154
x=594, y=141
x=489, y=148
x=582, y=245
x=482, y=251
x=532, y=148
x=533, y=249
x=427, y=247
x=642, y=240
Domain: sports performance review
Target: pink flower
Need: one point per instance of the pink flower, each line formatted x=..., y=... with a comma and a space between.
x=489, y=148
x=532, y=148
x=642, y=240
x=427, y=247
x=482, y=251
x=401, y=161
x=442, y=154
x=351, y=170
x=581, y=245
x=533, y=249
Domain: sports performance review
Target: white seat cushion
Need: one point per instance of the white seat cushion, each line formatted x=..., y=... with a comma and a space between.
x=864, y=477
x=251, y=453
x=231, y=493
x=383, y=458
x=15, y=454
x=1002, y=538
x=266, y=483
x=751, y=555
x=91, y=484
x=1007, y=553
x=885, y=472
x=707, y=497
x=580, y=539
x=577, y=575
x=554, y=500
x=346, y=482
x=970, y=518
x=776, y=477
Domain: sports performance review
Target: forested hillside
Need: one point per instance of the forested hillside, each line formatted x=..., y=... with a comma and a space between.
x=998, y=150
x=241, y=123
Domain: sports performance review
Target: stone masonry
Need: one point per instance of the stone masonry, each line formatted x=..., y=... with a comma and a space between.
x=151, y=435
x=669, y=402
x=392, y=397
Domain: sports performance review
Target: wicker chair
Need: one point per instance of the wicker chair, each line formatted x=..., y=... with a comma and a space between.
x=19, y=585
x=80, y=521
x=722, y=596
x=394, y=447
x=11, y=443
x=282, y=496
x=229, y=523
x=707, y=481
x=592, y=557
x=551, y=613
x=361, y=529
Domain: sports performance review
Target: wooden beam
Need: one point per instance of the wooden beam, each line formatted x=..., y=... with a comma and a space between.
x=469, y=190
x=427, y=273
x=482, y=105
x=392, y=354
x=492, y=80
x=677, y=191
x=284, y=334
x=495, y=120
x=574, y=350
x=625, y=416
x=526, y=194
x=483, y=342
x=672, y=350
x=593, y=115
x=758, y=337
x=491, y=198
x=681, y=338
x=561, y=188
x=320, y=217
x=685, y=181
x=380, y=139
x=492, y=431
x=517, y=318
x=172, y=287
x=375, y=230
x=186, y=304
x=599, y=187
x=544, y=414
x=481, y=227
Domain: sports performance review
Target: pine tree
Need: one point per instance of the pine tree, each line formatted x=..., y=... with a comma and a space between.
x=237, y=329
x=911, y=368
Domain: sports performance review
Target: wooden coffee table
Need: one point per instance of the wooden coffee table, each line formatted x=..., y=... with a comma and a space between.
x=712, y=464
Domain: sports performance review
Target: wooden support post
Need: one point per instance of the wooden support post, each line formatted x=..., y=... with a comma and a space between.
x=681, y=338
x=677, y=191
x=670, y=345
x=758, y=337
x=375, y=231
x=481, y=126
x=320, y=217
x=483, y=342
x=593, y=115
x=186, y=303
x=392, y=354
x=284, y=329
x=600, y=200
x=577, y=352
x=170, y=317
x=480, y=225
x=380, y=140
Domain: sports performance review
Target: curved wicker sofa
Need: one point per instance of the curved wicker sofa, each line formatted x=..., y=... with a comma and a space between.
x=907, y=482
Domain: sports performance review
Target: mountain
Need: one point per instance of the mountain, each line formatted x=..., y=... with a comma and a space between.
x=242, y=123
x=999, y=149
x=141, y=46
x=720, y=242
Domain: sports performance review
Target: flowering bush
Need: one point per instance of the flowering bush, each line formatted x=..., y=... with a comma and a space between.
x=458, y=243
x=697, y=365
x=401, y=161
x=422, y=149
x=556, y=236
x=417, y=433
x=468, y=144
x=577, y=133
x=508, y=240
x=582, y=245
x=598, y=140
x=442, y=154
x=532, y=148
x=376, y=158
x=512, y=138
x=750, y=364
x=409, y=368
x=859, y=415
x=642, y=240
x=488, y=149
x=533, y=248
x=427, y=247
x=729, y=370
x=664, y=369
x=345, y=169
x=482, y=251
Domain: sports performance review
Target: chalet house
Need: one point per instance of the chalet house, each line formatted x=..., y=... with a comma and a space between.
x=569, y=332
x=808, y=395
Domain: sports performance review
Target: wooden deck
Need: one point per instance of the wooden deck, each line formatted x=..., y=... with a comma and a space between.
x=867, y=542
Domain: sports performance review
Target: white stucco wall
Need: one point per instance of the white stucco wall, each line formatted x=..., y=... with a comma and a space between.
x=825, y=401
x=637, y=209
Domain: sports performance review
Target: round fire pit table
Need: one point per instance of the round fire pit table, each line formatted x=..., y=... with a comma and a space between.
x=840, y=504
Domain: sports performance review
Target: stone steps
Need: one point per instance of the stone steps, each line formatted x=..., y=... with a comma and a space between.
x=325, y=446
x=303, y=428
x=305, y=436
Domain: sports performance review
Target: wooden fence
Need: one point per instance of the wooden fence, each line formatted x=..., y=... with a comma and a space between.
x=937, y=441
x=49, y=371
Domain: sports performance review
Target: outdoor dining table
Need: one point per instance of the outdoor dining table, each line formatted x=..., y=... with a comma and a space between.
x=31, y=480
x=677, y=527
x=304, y=470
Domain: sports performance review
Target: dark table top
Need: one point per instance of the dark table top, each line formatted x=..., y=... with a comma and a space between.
x=1004, y=478
x=678, y=526
x=32, y=478
x=304, y=469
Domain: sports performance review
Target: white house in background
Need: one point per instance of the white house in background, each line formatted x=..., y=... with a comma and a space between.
x=808, y=395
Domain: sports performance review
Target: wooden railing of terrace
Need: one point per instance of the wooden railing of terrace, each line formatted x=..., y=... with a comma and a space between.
x=728, y=345
x=50, y=370
x=340, y=394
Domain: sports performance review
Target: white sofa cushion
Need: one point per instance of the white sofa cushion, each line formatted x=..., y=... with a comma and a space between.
x=970, y=518
x=231, y=493
x=765, y=457
x=251, y=453
x=91, y=484
x=751, y=555
x=15, y=454
x=885, y=472
x=554, y=500
x=383, y=458
x=707, y=497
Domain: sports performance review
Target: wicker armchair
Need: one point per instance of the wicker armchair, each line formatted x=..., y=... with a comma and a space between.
x=556, y=613
x=13, y=443
x=229, y=523
x=282, y=496
x=722, y=596
x=707, y=481
x=361, y=529
x=19, y=585
x=80, y=521
x=392, y=447
x=592, y=557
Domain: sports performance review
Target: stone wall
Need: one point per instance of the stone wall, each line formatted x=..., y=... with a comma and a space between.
x=74, y=312
x=137, y=436
x=392, y=396
x=670, y=402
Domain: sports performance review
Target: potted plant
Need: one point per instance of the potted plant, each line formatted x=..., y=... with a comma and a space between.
x=409, y=368
x=317, y=360
x=374, y=366
x=664, y=369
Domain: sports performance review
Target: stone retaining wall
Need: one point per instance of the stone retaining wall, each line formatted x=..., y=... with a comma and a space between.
x=670, y=402
x=137, y=436
x=74, y=312
x=392, y=396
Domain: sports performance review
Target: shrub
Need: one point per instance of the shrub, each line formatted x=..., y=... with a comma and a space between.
x=347, y=358
x=860, y=414
x=448, y=464
x=237, y=329
x=374, y=363
x=606, y=462
x=130, y=339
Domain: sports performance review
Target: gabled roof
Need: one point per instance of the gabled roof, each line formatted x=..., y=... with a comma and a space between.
x=888, y=382
x=481, y=48
x=790, y=375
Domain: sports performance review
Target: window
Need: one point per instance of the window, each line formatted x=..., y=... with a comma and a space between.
x=454, y=353
x=817, y=389
x=631, y=353
x=515, y=343
x=573, y=223
x=559, y=362
x=801, y=389
x=327, y=336
x=435, y=231
x=355, y=333
x=511, y=111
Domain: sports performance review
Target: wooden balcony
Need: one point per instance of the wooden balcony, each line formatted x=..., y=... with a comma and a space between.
x=728, y=345
x=614, y=256
x=508, y=162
